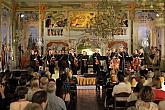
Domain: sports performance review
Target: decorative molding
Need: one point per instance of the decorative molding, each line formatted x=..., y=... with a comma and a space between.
x=112, y=43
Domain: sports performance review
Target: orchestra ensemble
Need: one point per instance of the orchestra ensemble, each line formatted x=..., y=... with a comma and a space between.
x=115, y=60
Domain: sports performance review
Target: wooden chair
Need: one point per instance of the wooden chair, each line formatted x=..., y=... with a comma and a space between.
x=120, y=101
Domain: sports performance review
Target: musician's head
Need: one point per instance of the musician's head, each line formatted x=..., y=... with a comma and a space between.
x=141, y=50
x=52, y=52
x=62, y=52
x=135, y=51
x=114, y=50
x=36, y=52
x=121, y=49
x=84, y=53
x=32, y=52
x=70, y=51
x=49, y=51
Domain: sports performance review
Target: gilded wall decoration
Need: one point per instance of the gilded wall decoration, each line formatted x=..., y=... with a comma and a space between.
x=28, y=29
x=55, y=22
x=81, y=19
x=58, y=45
x=5, y=25
x=6, y=38
x=56, y=19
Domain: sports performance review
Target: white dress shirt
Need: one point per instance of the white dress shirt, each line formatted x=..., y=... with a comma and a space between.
x=121, y=87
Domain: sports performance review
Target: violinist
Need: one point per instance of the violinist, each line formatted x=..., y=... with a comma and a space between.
x=37, y=60
x=122, y=55
x=96, y=62
x=32, y=61
x=84, y=63
x=73, y=61
x=52, y=62
x=141, y=56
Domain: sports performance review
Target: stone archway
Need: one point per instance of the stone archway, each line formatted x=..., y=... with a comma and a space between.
x=113, y=43
x=58, y=45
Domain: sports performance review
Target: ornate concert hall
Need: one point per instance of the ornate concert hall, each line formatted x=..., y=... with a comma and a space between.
x=82, y=54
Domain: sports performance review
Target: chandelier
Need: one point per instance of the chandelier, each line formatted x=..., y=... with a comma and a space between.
x=107, y=20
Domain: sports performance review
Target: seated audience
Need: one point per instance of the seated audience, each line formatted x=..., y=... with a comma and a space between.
x=40, y=97
x=36, y=75
x=122, y=86
x=161, y=105
x=146, y=98
x=43, y=83
x=157, y=89
x=135, y=94
x=22, y=102
x=34, y=87
x=47, y=72
x=148, y=81
x=134, y=97
x=54, y=102
x=2, y=97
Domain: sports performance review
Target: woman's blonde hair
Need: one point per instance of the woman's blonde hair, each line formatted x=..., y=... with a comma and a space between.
x=44, y=82
x=34, y=83
x=36, y=75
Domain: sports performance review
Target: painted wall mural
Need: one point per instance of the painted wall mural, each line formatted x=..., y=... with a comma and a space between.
x=6, y=38
x=5, y=25
x=56, y=20
x=28, y=29
x=81, y=19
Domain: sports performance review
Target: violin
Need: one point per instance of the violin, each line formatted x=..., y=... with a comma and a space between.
x=75, y=62
x=97, y=62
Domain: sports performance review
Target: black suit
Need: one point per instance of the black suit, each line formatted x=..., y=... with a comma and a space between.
x=96, y=65
x=84, y=64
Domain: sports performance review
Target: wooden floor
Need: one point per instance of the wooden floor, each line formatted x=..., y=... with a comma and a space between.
x=89, y=100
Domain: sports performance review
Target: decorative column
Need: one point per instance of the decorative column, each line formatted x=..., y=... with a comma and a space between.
x=42, y=11
x=132, y=7
x=14, y=45
x=0, y=24
x=162, y=65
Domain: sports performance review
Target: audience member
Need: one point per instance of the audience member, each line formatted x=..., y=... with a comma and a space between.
x=146, y=98
x=21, y=103
x=161, y=105
x=54, y=102
x=135, y=94
x=40, y=97
x=43, y=83
x=34, y=87
x=121, y=87
x=47, y=72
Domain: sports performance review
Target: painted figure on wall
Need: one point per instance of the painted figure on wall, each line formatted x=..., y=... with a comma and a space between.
x=81, y=19
x=6, y=39
x=55, y=21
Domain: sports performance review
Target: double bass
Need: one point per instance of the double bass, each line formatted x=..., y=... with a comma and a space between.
x=75, y=61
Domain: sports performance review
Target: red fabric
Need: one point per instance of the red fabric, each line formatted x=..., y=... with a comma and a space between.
x=159, y=94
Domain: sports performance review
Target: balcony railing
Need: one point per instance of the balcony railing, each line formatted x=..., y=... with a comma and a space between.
x=55, y=31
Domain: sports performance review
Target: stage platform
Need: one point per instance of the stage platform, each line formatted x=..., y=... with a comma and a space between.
x=85, y=80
